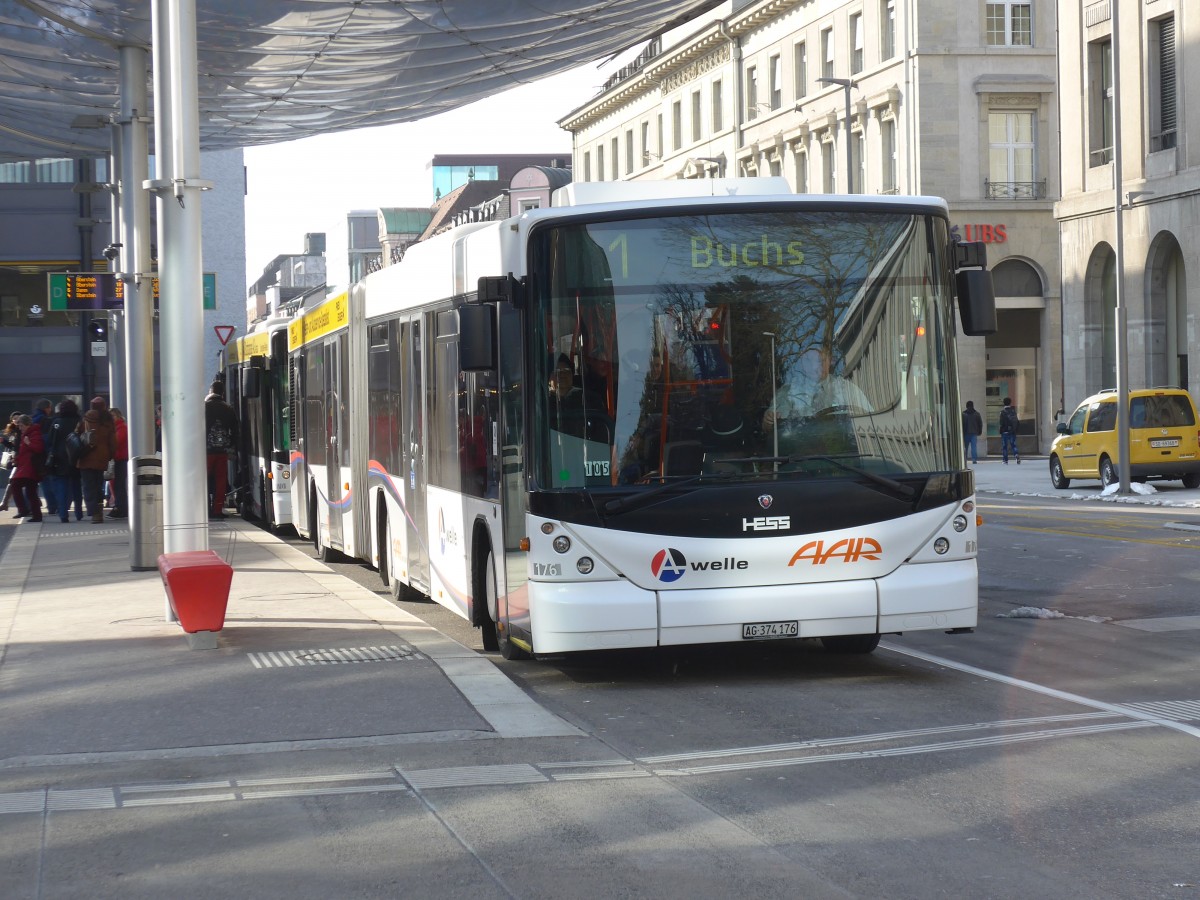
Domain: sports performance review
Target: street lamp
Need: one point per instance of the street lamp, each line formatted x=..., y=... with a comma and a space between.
x=846, y=84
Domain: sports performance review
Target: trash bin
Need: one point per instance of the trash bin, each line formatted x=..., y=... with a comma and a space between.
x=146, y=511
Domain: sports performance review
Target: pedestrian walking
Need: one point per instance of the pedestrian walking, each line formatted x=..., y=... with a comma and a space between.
x=1008, y=431
x=27, y=473
x=100, y=447
x=972, y=423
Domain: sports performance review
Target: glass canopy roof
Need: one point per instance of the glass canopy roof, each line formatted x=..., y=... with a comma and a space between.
x=277, y=70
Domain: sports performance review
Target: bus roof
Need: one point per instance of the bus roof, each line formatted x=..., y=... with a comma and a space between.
x=635, y=194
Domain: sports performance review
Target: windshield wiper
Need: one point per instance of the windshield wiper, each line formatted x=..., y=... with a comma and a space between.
x=624, y=504
x=897, y=488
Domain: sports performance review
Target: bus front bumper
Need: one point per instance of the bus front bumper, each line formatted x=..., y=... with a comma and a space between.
x=616, y=614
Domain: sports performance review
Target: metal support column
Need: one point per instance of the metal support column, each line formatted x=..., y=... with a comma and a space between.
x=1121, y=338
x=181, y=312
x=139, y=296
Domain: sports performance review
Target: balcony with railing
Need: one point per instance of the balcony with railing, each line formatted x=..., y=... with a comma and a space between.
x=1014, y=190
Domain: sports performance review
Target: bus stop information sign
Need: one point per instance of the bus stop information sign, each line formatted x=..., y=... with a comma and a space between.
x=103, y=290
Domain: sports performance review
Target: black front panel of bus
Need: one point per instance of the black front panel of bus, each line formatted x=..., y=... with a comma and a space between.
x=720, y=510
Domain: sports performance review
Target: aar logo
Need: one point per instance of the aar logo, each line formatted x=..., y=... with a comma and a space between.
x=668, y=565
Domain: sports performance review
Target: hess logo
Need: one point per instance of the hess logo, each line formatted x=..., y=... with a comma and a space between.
x=847, y=550
x=668, y=565
x=767, y=523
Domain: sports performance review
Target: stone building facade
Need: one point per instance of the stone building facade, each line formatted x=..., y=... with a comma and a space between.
x=1133, y=68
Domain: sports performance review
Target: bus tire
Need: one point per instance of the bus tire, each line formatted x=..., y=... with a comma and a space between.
x=324, y=553
x=487, y=616
x=851, y=643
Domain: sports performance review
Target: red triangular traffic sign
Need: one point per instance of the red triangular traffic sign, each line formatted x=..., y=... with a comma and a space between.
x=224, y=333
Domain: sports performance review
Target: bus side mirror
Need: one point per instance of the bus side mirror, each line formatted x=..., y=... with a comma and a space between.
x=251, y=383
x=976, y=297
x=477, y=338
x=501, y=288
x=976, y=301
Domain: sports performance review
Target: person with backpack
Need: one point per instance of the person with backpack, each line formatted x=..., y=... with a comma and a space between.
x=972, y=423
x=1008, y=431
x=63, y=477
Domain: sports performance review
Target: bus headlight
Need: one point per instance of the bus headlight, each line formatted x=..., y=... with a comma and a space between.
x=585, y=565
x=561, y=544
x=960, y=523
x=941, y=545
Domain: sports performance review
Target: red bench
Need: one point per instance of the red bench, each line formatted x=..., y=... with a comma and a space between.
x=197, y=583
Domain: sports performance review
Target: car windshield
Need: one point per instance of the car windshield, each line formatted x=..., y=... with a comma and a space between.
x=741, y=344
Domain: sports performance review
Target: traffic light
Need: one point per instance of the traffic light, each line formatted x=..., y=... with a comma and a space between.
x=98, y=331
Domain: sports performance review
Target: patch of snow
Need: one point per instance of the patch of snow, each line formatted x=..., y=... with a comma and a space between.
x=1031, y=612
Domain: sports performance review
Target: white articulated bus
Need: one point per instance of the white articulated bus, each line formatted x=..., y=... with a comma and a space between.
x=653, y=414
x=255, y=369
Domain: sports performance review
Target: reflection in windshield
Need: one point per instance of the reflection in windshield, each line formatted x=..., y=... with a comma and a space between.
x=691, y=344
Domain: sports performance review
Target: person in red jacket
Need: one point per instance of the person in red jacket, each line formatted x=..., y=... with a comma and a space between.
x=31, y=454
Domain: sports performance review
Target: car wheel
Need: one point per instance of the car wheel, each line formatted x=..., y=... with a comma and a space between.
x=851, y=643
x=1057, y=478
x=1108, y=472
x=1191, y=480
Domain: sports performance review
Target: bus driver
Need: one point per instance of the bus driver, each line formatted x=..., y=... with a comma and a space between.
x=813, y=410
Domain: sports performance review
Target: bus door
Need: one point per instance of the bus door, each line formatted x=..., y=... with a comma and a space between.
x=333, y=391
x=412, y=450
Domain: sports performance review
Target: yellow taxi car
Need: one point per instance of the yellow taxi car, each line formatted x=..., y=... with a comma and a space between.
x=1163, y=439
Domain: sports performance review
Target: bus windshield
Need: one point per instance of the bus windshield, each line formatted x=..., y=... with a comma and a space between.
x=778, y=343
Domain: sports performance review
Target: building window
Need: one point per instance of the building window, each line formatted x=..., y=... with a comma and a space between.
x=1010, y=23
x=645, y=144
x=677, y=124
x=887, y=29
x=587, y=166
x=775, y=165
x=802, y=173
x=1011, y=158
x=1162, y=84
x=629, y=152
x=887, y=139
x=829, y=167
x=599, y=162
x=800, y=72
x=752, y=93
x=695, y=116
x=776, y=82
x=856, y=43
x=827, y=53
x=661, y=143
x=1100, y=102
x=616, y=168
x=718, y=118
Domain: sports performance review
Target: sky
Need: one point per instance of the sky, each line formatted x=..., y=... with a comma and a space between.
x=309, y=185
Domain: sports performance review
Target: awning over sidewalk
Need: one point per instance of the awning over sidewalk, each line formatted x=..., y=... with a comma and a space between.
x=277, y=70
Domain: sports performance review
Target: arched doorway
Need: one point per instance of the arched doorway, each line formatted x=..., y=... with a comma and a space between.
x=1099, y=319
x=1014, y=364
x=1166, y=293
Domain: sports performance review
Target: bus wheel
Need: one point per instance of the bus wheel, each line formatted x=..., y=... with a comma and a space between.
x=851, y=643
x=399, y=590
x=487, y=621
x=324, y=553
